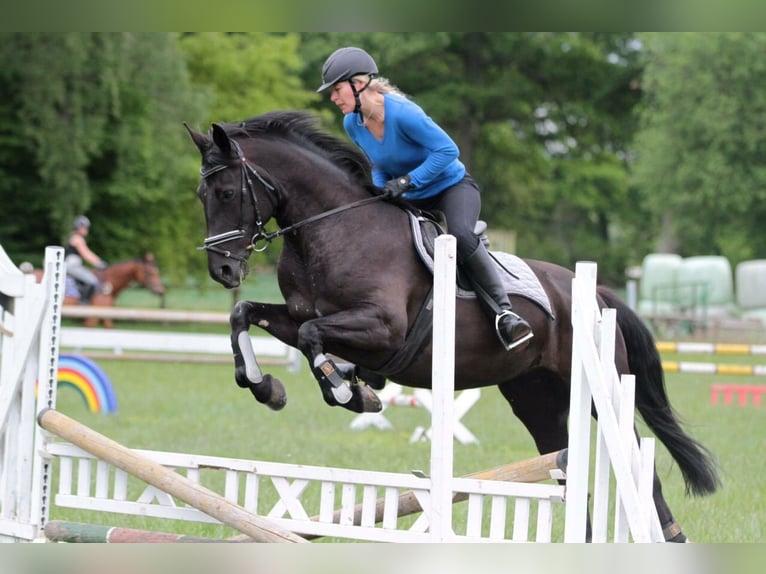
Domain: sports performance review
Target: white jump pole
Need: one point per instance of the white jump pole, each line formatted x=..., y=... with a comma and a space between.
x=443, y=388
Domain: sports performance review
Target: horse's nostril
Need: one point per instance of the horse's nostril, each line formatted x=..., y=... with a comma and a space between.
x=226, y=276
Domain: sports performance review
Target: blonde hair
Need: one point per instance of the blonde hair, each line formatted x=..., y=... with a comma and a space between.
x=380, y=85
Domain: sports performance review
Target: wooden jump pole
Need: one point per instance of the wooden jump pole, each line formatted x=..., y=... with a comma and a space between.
x=155, y=474
x=78, y=532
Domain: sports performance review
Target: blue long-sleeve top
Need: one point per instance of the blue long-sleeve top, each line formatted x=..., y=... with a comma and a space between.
x=413, y=144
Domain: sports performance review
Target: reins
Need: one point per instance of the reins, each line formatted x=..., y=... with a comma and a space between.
x=261, y=235
x=318, y=216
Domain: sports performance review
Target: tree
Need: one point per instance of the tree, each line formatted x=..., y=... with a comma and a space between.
x=57, y=93
x=700, y=153
x=246, y=74
x=92, y=123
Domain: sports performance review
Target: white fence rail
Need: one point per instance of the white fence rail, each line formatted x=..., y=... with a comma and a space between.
x=156, y=345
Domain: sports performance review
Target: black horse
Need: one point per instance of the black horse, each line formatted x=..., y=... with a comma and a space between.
x=355, y=288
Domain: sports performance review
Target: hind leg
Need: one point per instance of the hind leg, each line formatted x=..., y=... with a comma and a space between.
x=671, y=531
x=541, y=402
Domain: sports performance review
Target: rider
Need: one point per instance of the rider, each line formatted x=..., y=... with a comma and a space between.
x=77, y=252
x=415, y=158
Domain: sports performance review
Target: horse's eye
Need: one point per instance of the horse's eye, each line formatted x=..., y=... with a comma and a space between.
x=226, y=194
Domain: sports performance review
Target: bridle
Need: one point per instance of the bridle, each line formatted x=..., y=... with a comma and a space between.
x=261, y=239
x=247, y=187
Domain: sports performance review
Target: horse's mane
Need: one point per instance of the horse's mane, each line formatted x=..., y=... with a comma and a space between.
x=303, y=129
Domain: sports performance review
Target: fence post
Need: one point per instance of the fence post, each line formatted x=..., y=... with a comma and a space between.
x=443, y=387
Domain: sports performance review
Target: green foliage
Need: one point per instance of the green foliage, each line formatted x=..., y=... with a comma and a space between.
x=246, y=73
x=700, y=153
x=95, y=119
x=243, y=74
x=92, y=123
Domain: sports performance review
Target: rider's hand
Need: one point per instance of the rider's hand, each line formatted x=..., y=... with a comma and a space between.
x=397, y=186
x=102, y=265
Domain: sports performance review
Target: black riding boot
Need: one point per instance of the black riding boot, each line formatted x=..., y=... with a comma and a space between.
x=511, y=329
x=86, y=293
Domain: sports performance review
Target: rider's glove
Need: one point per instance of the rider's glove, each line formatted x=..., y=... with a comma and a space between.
x=397, y=186
x=102, y=265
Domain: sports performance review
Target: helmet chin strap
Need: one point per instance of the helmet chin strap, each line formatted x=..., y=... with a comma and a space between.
x=357, y=100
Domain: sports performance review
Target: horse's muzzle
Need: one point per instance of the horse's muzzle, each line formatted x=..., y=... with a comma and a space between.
x=229, y=274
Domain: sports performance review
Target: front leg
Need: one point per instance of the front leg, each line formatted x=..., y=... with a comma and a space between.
x=357, y=331
x=276, y=321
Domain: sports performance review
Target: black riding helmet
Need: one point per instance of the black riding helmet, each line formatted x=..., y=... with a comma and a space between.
x=344, y=64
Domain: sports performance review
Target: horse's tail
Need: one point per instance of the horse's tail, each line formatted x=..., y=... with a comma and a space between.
x=696, y=462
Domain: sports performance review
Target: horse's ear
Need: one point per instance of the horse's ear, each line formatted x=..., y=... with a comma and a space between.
x=199, y=140
x=221, y=139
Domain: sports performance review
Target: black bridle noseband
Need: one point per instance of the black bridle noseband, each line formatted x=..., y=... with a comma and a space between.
x=261, y=236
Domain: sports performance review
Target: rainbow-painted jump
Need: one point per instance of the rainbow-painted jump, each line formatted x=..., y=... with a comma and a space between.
x=87, y=378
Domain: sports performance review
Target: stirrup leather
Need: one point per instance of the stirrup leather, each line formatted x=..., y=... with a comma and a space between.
x=509, y=344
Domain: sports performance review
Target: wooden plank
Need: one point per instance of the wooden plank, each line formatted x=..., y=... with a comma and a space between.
x=155, y=474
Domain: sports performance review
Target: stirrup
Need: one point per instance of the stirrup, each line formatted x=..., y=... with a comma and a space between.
x=510, y=344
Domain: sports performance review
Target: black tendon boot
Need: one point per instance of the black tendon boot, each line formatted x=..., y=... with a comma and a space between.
x=511, y=329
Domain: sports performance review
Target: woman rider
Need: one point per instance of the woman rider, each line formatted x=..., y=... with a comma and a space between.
x=413, y=157
x=77, y=252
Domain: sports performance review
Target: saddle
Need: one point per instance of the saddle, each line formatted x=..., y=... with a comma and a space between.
x=518, y=278
x=79, y=289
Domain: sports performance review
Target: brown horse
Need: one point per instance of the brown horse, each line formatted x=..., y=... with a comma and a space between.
x=112, y=281
x=355, y=288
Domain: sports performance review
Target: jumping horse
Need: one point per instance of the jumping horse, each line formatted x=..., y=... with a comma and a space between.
x=112, y=281
x=356, y=289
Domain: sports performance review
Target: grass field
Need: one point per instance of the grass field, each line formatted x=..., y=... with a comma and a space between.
x=199, y=409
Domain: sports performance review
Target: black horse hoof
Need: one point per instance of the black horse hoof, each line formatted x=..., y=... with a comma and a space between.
x=271, y=392
x=366, y=399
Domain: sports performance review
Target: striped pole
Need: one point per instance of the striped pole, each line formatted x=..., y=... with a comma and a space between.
x=710, y=348
x=63, y=531
x=713, y=368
